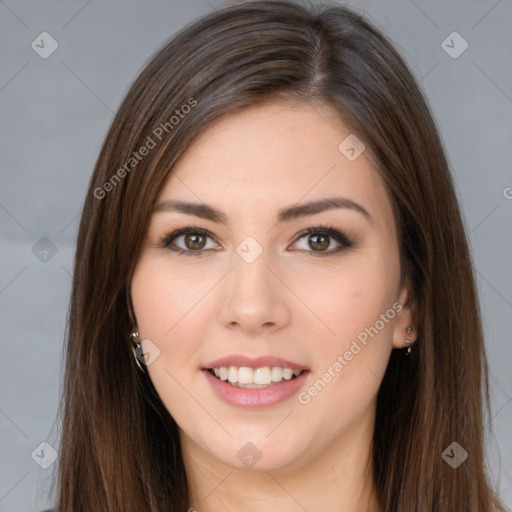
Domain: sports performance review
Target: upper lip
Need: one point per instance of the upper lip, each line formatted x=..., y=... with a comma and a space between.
x=254, y=362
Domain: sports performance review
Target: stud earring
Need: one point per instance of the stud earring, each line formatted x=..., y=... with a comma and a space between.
x=137, y=349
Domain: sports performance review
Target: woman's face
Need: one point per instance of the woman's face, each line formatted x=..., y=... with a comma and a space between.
x=264, y=290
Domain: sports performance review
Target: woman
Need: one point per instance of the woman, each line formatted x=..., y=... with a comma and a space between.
x=273, y=304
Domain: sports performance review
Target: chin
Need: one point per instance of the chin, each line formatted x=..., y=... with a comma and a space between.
x=259, y=453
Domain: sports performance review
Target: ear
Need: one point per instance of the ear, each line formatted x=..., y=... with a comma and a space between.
x=405, y=318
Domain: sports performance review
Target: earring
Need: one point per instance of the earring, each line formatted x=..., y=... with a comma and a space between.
x=408, y=341
x=137, y=350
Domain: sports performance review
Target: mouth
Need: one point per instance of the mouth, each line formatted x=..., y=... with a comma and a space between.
x=254, y=378
x=257, y=387
x=251, y=382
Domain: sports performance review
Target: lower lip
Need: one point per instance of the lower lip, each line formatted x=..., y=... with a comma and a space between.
x=256, y=398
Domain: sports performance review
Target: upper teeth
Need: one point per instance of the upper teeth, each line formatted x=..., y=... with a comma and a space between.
x=243, y=375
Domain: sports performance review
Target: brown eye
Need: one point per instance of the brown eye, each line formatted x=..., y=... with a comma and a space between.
x=319, y=242
x=195, y=241
x=190, y=241
x=323, y=241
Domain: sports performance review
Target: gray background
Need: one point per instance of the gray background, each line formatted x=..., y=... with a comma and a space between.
x=55, y=113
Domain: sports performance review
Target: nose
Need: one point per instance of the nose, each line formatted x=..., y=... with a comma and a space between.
x=254, y=298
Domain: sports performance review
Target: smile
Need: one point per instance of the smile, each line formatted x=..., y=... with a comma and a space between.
x=256, y=396
x=250, y=378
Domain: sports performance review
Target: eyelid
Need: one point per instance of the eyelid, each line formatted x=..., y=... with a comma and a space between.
x=344, y=242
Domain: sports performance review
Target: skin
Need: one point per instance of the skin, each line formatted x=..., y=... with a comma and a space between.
x=195, y=309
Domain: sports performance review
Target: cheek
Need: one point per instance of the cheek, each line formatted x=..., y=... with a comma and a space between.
x=164, y=303
x=351, y=356
x=346, y=298
x=162, y=296
x=354, y=338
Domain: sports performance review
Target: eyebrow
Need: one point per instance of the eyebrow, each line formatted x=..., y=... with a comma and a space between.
x=287, y=214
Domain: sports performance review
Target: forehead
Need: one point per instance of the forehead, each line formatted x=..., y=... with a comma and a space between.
x=275, y=154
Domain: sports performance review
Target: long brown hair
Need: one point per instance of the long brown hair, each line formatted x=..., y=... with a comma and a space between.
x=120, y=448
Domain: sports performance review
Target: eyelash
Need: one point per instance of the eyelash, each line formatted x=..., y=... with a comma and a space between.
x=330, y=231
